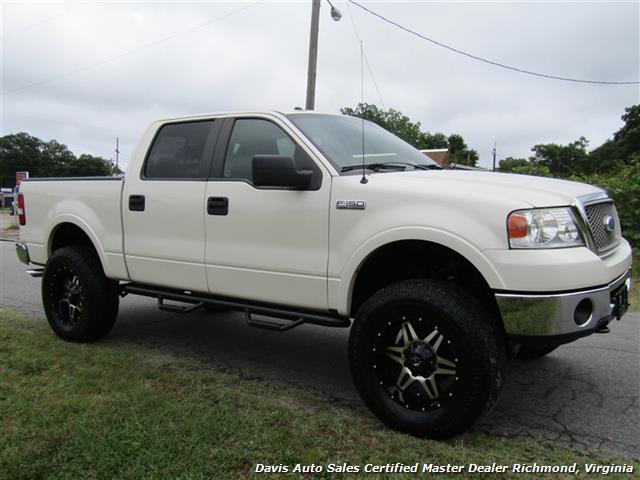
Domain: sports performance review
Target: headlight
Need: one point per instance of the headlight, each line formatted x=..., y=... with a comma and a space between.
x=543, y=228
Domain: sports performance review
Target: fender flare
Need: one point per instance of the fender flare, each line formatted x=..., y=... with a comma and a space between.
x=341, y=297
x=82, y=225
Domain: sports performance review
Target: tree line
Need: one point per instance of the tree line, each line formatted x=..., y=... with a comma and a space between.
x=575, y=159
x=24, y=152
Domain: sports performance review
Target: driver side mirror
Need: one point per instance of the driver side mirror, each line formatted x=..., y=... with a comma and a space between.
x=279, y=171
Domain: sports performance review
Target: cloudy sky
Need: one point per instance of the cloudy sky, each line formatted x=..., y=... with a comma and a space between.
x=86, y=73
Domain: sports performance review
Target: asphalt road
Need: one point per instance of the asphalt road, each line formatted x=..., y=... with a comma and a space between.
x=585, y=394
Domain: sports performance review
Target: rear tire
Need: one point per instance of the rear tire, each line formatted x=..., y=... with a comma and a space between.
x=80, y=302
x=426, y=359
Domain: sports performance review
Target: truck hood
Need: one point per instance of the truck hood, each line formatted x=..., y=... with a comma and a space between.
x=535, y=191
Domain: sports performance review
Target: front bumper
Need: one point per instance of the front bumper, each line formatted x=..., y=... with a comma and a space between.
x=563, y=315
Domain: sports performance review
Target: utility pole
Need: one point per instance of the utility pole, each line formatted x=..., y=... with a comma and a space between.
x=494, y=156
x=313, y=55
x=117, y=150
x=313, y=50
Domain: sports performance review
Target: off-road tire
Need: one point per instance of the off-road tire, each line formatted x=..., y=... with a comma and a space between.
x=532, y=352
x=468, y=336
x=93, y=296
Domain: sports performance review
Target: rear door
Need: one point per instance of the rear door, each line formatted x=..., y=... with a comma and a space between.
x=266, y=244
x=164, y=207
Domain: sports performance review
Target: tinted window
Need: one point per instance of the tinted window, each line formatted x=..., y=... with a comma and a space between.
x=178, y=151
x=252, y=137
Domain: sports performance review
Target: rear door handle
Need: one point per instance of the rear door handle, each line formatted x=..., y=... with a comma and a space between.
x=217, y=205
x=136, y=203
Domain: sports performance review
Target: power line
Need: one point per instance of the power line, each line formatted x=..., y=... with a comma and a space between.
x=490, y=62
x=71, y=124
x=44, y=20
x=129, y=52
x=366, y=59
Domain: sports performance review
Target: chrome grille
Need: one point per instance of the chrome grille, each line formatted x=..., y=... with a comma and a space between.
x=597, y=215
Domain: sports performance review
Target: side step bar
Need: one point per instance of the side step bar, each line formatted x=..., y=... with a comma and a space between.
x=36, y=272
x=293, y=316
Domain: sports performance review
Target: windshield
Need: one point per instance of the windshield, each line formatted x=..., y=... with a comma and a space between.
x=339, y=138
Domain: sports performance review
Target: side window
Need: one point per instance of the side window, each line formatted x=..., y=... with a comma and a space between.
x=250, y=137
x=178, y=151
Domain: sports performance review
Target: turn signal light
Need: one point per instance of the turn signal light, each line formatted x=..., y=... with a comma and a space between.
x=517, y=226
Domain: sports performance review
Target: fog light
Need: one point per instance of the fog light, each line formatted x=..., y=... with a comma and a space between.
x=583, y=312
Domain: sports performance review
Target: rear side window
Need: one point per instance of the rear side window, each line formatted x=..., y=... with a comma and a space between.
x=178, y=151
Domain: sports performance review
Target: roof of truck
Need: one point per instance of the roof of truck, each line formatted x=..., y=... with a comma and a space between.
x=244, y=112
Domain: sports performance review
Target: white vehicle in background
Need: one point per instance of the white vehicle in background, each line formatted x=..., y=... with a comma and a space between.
x=446, y=274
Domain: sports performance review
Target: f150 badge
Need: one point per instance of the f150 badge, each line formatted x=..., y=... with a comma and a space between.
x=351, y=204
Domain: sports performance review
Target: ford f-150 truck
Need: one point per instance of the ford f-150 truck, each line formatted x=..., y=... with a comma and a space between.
x=324, y=219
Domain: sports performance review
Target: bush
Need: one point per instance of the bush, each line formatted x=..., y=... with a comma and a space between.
x=624, y=187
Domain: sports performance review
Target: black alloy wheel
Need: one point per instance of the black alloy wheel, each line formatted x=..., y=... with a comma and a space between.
x=80, y=302
x=425, y=358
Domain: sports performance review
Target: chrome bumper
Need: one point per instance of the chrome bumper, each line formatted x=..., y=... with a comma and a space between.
x=22, y=251
x=555, y=314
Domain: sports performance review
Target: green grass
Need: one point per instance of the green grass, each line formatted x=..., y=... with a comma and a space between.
x=121, y=410
x=634, y=296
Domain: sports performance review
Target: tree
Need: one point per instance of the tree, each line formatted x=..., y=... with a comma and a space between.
x=391, y=120
x=614, y=154
x=89, y=166
x=459, y=152
x=509, y=164
x=562, y=160
x=23, y=152
x=523, y=167
x=402, y=126
x=433, y=140
x=19, y=152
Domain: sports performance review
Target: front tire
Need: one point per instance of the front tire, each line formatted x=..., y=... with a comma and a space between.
x=80, y=302
x=425, y=358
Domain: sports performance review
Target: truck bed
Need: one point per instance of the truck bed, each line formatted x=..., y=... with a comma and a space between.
x=93, y=204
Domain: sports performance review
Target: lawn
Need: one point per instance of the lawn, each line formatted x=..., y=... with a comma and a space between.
x=115, y=410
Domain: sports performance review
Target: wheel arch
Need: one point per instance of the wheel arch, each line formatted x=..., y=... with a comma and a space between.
x=72, y=231
x=405, y=247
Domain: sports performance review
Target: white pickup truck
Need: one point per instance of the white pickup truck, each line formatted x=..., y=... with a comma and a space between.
x=315, y=218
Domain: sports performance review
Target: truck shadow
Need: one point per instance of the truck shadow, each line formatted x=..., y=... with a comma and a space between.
x=564, y=397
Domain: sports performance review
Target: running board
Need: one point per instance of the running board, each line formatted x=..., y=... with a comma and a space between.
x=269, y=325
x=36, y=272
x=167, y=307
x=294, y=316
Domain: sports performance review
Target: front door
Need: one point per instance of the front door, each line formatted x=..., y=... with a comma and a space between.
x=265, y=244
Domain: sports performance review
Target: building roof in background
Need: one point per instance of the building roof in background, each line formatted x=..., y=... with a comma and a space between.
x=438, y=155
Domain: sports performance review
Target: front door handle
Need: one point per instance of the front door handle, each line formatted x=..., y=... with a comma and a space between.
x=136, y=203
x=217, y=205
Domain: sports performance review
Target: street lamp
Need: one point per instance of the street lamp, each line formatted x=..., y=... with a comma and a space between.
x=313, y=50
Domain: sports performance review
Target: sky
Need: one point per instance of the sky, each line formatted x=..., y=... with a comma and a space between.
x=84, y=73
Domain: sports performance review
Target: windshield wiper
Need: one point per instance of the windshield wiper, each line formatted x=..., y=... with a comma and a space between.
x=391, y=166
x=373, y=166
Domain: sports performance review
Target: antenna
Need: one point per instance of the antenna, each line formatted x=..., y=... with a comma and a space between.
x=363, y=180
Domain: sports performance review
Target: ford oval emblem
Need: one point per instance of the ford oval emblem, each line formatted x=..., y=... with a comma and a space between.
x=609, y=223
